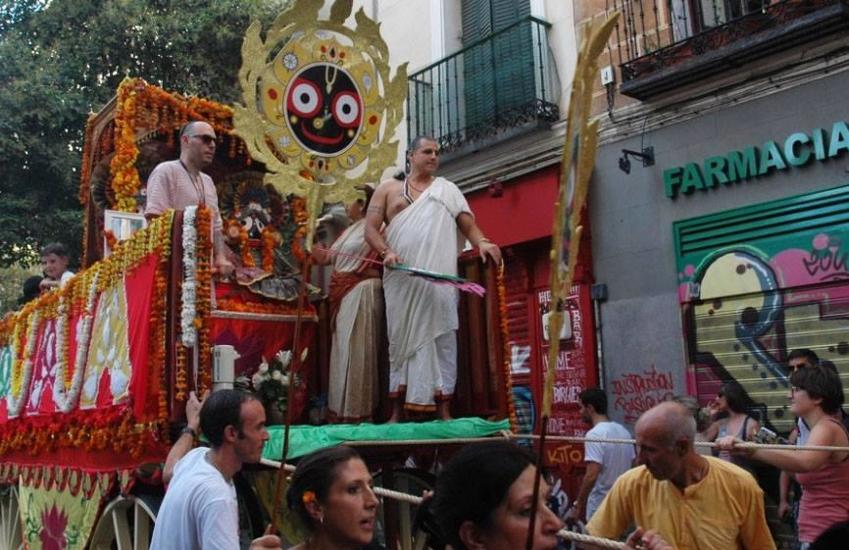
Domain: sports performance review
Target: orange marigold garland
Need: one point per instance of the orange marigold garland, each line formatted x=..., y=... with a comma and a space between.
x=110, y=237
x=203, y=307
x=159, y=317
x=85, y=168
x=125, y=177
x=505, y=342
x=244, y=247
x=181, y=376
x=267, y=308
x=110, y=429
x=141, y=106
x=300, y=216
x=270, y=240
x=85, y=178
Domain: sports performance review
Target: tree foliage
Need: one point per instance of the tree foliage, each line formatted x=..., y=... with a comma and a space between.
x=62, y=59
x=12, y=284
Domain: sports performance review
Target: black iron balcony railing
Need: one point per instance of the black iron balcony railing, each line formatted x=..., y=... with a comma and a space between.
x=663, y=44
x=492, y=85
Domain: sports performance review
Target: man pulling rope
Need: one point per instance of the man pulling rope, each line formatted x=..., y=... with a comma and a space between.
x=693, y=501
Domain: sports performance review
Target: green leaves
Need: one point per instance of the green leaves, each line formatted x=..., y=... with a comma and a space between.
x=62, y=59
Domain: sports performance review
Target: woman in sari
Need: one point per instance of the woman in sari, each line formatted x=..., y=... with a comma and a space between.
x=356, y=309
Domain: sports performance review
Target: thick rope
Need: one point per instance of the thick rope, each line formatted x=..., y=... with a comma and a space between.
x=413, y=499
x=379, y=491
x=589, y=539
x=576, y=439
x=743, y=445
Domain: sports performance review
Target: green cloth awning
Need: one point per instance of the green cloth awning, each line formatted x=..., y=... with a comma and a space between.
x=306, y=439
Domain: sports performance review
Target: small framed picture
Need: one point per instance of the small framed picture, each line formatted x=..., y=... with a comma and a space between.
x=121, y=226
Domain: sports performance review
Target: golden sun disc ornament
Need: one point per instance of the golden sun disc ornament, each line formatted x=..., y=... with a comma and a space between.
x=320, y=107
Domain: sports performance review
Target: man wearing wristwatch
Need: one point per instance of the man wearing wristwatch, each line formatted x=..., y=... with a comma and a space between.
x=200, y=510
x=423, y=216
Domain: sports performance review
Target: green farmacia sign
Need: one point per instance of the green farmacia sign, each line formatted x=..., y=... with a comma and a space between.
x=797, y=150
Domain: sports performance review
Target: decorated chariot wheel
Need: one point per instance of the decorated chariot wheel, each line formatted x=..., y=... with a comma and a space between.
x=10, y=521
x=126, y=523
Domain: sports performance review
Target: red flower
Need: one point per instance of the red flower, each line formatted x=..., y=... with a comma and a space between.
x=52, y=533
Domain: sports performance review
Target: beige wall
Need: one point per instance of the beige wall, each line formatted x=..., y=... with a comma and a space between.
x=562, y=41
x=421, y=32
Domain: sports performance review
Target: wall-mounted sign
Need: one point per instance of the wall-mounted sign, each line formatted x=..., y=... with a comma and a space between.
x=737, y=166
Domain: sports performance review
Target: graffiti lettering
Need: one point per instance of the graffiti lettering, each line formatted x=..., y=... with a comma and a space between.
x=568, y=454
x=828, y=259
x=648, y=381
x=559, y=500
x=519, y=356
x=577, y=334
x=563, y=425
x=562, y=361
x=566, y=394
x=638, y=392
x=633, y=407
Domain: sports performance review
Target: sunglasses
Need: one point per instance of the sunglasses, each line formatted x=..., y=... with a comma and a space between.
x=206, y=139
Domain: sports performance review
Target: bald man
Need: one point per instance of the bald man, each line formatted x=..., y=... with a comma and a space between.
x=178, y=184
x=692, y=501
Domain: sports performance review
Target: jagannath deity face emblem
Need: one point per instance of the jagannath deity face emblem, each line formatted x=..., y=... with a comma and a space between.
x=319, y=104
x=324, y=109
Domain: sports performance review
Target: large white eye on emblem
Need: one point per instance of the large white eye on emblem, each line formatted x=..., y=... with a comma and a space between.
x=346, y=109
x=305, y=98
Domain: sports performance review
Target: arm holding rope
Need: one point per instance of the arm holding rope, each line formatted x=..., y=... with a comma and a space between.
x=647, y=540
x=823, y=434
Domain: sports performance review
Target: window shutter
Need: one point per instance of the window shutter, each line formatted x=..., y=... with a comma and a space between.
x=499, y=73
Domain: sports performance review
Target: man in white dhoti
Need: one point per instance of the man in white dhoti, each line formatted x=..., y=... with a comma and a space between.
x=424, y=215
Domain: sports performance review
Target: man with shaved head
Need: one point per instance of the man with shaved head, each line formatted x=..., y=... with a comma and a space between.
x=692, y=501
x=178, y=184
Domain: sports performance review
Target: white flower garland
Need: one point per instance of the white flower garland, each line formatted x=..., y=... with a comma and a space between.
x=188, y=312
x=16, y=402
x=61, y=362
x=66, y=401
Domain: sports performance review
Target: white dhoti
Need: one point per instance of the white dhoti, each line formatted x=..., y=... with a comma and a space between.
x=421, y=315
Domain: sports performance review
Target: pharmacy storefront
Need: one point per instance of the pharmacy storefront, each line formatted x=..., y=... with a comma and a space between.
x=727, y=254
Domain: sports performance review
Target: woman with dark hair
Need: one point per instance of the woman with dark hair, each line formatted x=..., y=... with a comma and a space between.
x=483, y=501
x=730, y=407
x=331, y=492
x=356, y=315
x=816, y=394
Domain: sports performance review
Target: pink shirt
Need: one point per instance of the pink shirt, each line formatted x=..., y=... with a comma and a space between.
x=169, y=186
x=825, y=498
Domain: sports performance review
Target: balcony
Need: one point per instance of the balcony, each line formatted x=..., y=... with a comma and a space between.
x=666, y=44
x=490, y=90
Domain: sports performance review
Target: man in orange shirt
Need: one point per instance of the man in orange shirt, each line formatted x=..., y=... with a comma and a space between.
x=694, y=502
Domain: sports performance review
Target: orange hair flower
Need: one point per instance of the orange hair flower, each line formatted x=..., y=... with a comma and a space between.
x=308, y=497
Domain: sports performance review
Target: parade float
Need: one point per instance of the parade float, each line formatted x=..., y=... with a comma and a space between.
x=94, y=376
